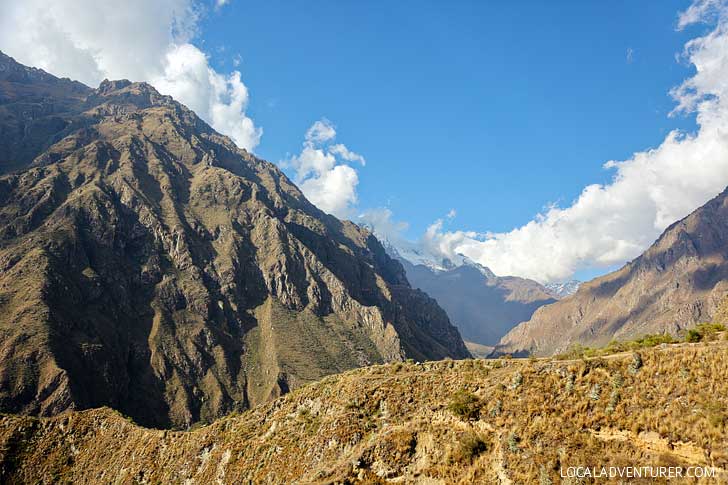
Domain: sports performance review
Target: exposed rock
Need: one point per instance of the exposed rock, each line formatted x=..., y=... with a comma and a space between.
x=149, y=265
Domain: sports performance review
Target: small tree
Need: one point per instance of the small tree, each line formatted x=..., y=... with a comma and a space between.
x=465, y=405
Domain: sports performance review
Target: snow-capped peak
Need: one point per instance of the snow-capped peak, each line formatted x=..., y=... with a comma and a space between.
x=562, y=290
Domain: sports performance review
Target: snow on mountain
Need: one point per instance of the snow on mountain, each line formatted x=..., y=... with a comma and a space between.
x=562, y=290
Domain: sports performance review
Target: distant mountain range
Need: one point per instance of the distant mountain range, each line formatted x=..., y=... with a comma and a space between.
x=149, y=265
x=482, y=305
x=681, y=280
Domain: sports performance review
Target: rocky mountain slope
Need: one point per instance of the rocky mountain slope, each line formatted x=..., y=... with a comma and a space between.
x=482, y=305
x=149, y=265
x=681, y=280
x=456, y=422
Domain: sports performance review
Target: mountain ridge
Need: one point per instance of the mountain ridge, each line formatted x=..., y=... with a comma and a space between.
x=679, y=281
x=150, y=265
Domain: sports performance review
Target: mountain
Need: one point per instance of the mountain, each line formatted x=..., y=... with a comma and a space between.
x=562, y=290
x=472, y=421
x=482, y=305
x=681, y=280
x=149, y=265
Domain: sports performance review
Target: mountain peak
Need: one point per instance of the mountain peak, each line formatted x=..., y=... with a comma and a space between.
x=108, y=86
x=148, y=264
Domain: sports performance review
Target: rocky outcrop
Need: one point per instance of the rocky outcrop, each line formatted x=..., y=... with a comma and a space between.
x=148, y=264
x=681, y=280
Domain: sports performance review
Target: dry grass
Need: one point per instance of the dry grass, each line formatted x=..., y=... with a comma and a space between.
x=473, y=421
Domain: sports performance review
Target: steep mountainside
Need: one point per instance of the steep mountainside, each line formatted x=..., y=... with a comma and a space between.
x=482, y=305
x=148, y=264
x=680, y=281
x=457, y=422
x=36, y=110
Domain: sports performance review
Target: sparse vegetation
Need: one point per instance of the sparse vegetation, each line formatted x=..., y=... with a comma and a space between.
x=595, y=392
x=376, y=424
x=471, y=446
x=578, y=351
x=636, y=363
x=704, y=332
x=513, y=440
x=570, y=380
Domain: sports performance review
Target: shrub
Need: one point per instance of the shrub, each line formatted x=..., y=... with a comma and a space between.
x=517, y=380
x=704, y=331
x=465, y=405
x=613, y=401
x=470, y=447
x=513, y=440
x=497, y=409
x=617, y=380
x=571, y=378
x=575, y=351
x=636, y=363
x=595, y=392
x=693, y=336
x=544, y=478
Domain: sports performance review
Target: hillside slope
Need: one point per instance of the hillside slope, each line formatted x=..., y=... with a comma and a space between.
x=681, y=280
x=495, y=421
x=148, y=264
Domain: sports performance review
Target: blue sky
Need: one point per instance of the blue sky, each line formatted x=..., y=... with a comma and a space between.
x=494, y=109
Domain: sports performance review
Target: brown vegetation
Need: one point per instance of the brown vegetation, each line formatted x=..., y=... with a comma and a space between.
x=473, y=421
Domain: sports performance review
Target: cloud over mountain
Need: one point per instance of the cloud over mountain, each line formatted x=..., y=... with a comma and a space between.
x=138, y=40
x=612, y=223
x=322, y=171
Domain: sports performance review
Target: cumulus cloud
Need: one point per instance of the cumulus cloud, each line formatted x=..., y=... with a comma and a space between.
x=613, y=223
x=141, y=40
x=322, y=173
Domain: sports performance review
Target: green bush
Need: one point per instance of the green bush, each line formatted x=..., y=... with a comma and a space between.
x=703, y=332
x=465, y=405
x=693, y=336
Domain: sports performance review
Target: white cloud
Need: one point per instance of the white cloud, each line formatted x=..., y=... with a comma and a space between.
x=320, y=132
x=141, y=40
x=700, y=11
x=321, y=172
x=381, y=221
x=346, y=154
x=613, y=223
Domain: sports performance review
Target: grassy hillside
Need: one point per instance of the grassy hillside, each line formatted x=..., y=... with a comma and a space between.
x=473, y=421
